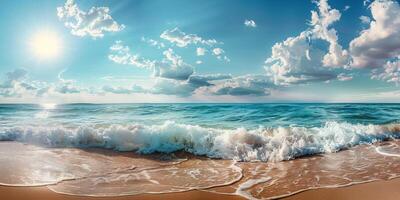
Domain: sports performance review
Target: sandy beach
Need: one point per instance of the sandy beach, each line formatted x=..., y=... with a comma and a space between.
x=383, y=190
x=71, y=174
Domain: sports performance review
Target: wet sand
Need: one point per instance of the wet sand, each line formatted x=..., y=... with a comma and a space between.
x=383, y=190
x=72, y=174
x=40, y=193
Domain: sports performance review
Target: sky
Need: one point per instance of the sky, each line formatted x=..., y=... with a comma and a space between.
x=144, y=51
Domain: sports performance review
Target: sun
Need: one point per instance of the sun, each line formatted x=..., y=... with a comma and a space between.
x=46, y=44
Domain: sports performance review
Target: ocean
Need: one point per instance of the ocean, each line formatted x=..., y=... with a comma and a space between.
x=252, y=150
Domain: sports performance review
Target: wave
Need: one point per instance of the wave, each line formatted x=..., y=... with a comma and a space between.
x=262, y=144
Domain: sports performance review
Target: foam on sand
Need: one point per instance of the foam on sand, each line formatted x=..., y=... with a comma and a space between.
x=96, y=172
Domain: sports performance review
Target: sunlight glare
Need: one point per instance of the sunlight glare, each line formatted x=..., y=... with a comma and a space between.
x=48, y=106
x=46, y=44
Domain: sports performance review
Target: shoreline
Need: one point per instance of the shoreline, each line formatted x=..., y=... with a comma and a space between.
x=382, y=189
x=292, y=176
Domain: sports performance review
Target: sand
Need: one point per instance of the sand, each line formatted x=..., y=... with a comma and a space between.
x=378, y=190
x=42, y=193
x=382, y=190
x=292, y=175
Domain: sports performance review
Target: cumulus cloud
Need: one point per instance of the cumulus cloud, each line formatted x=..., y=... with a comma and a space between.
x=15, y=84
x=173, y=67
x=94, y=22
x=365, y=19
x=250, y=23
x=165, y=86
x=204, y=80
x=182, y=39
x=219, y=53
x=297, y=60
x=248, y=85
x=173, y=87
x=122, y=54
x=381, y=41
x=390, y=72
x=214, y=84
x=211, y=84
x=66, y=86
x=321, y=21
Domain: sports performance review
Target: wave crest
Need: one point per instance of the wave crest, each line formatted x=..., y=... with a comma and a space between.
x=264, y=144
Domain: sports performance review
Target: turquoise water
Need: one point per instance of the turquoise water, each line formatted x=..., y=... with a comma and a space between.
x=207, y=115
x=231, y=131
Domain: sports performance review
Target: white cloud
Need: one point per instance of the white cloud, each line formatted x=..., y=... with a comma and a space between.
x=66, y=86
x=248, y=85
x=381, y=41
x=365, y=19
x=296, y=60
x=321, y=21
x=121, y=54
x=173, y=67
x=15, y=84
x=200, y=51
x=250, y=23
x=347, y=7
x=219, y=53
x=123, y=90
x=344, y=77
x=165, y=86
x=94, y=22
x=214, y=84
x=390, y=72
x=155, y=43
x=173, y=87
x=181, y=39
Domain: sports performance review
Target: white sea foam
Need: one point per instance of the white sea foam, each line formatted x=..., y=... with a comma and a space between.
x=238, y=144
x=249, y=184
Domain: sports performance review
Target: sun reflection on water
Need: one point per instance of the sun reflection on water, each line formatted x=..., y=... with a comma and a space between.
x=43, y=114
x=48, y=106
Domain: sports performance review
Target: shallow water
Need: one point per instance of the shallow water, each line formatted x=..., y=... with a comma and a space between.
x=96, y=172
x=258, y=151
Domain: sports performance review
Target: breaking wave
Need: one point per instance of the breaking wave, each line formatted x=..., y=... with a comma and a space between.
x=264, y=144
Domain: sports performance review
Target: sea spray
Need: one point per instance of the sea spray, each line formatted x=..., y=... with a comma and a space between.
x=263, y=144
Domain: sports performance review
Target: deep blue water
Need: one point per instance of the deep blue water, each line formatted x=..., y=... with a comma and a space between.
x=206, y=115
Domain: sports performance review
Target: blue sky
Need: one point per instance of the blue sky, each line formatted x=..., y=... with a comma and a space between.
x=199, y=51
